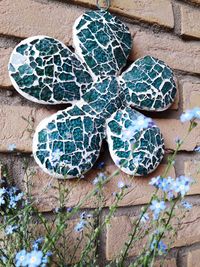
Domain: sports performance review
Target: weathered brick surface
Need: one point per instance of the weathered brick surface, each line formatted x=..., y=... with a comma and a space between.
x=157, y=11
x=44, y=188
x=188, y=233
x=166, y=263
x=25, y=18
x=193, y=258
x=172, y=128
x=178, y=54
x=192, y=169
x=4, y=55
x=191, y=94
x=190, y=23
x=14, y=129
x=52, y=18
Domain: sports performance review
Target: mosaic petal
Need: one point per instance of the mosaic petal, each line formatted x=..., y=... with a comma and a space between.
x=68, y=143
x=102, y=41
x=135, y=142
x=149, y=84
x=44, y=70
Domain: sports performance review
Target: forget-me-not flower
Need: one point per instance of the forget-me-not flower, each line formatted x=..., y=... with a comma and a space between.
x=34, y=258
x=21, y=258
x=157, y=207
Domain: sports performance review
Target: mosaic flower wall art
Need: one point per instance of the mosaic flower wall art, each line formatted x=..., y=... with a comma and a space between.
x=104, y=99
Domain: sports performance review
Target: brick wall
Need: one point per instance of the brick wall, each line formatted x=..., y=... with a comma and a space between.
x=169, y=30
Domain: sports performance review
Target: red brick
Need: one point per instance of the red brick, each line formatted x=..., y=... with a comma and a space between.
x=166, y=263
x=4, y=78
x=118, y=230
x=190, y=23
x=193, y=258
x=157, y=11
x=14, y=127
x=192, y=169
x=191, y=95
x=25, y=18
x=172, y=128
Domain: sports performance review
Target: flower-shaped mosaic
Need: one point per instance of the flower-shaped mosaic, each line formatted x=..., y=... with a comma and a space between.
x=102, y=97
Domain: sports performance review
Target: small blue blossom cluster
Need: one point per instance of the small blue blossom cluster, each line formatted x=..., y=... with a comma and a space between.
x=83, y=222
x=101, y=177
x=190, y=114
x=11, y=147
x=101, y=165
x=33, y=258
x=10, y=197
x=180, y=185
x=172, y=187
x=139, y=124
x=162, y=248
x=122, y=185
x=197, y=149
x=10, y=229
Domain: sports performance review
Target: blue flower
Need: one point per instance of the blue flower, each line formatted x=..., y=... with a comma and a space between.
x=99, y=178
x=161, y=246
x=2, y=191
x=197, y=149
x=34, y=258
x=139, y=124
x=69, y=209
x=21, y=258
x=186, y=205
x=121, y=185
x=157, y=206
x=155, y=181
x=101, y=165
x=83, y=222
x=190, y=115
x=182, y=185
x=2, y=200
x=56, y=155
x=3, y=259
x=196, y=112
x=80, y=226
x=11, y=147
x=10, y=229
x=145, y=218
x=37, y=243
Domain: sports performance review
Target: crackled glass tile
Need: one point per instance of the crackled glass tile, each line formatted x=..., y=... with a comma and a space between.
x=149, y=84
x=68, y=143
x=102, y=41
x=135, y=142
x=44, y=70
